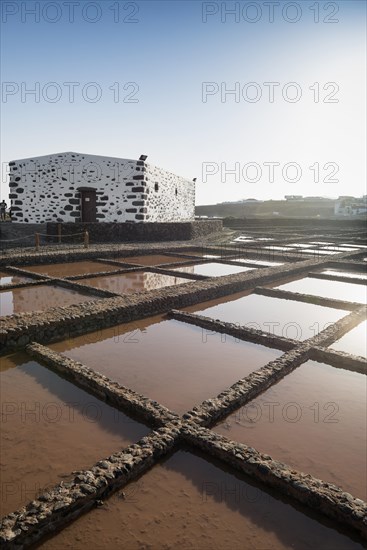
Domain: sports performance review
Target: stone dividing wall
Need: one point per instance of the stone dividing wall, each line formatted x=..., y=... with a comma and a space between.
x=324, y=497
x=146, y=232
x=58, y=322
x=102, y=387
x=68, y=500
x=45, y=189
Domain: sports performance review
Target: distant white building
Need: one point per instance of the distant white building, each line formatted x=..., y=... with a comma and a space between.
x=75, y=187
x=293, y=197
x=350, y=206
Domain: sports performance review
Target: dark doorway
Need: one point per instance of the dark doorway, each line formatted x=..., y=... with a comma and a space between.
x=88, y=205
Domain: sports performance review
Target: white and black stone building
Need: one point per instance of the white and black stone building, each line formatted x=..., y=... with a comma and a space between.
x=73, y=187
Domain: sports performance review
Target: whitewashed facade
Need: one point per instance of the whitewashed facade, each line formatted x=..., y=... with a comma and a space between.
x=74, y=187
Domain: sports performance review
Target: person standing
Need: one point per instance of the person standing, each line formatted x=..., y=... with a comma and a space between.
x=3, y=207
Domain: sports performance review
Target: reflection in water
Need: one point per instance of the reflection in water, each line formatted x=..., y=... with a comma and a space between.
x=151, y=259
x=202, y=505
x=282, y=317
x=72, y=268
x=213, y=269
x=354, y=342
x=50, y=428
x=36, y=298
x=177, y=364
x=314, y=420
x=136, y=281
x=339, y=290
x=258, y=262
x=7, y=279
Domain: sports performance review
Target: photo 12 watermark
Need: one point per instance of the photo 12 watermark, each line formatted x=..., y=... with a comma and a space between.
x=270, y=171
x=69, y=92
x=270, y=12
x=29, y=12
x=269, y=92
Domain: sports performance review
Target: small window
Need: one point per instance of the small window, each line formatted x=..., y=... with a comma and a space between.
x=156, y=187
x=176, y=191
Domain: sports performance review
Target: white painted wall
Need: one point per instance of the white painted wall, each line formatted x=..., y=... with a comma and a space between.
x=46, y=189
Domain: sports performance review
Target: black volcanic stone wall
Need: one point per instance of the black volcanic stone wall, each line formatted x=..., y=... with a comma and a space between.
x=145, y=232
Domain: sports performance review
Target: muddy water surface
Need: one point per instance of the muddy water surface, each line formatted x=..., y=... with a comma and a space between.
x=176, y=364
x=70, y=269
x=282, y=317
x=49, y=428
x=338, y=290
x=313, y=420
x=190, y=503
x=37, y=298
x=137, y=281
x=354, y=341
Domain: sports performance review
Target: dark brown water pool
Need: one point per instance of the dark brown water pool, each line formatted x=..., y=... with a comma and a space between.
x=70, y=269
x=37, y=298
x=136, y=281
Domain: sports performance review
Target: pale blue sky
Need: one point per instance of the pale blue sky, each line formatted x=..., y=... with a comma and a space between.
x=168, y=53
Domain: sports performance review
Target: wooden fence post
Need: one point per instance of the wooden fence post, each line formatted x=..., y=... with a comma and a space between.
x=37, y=236
x=86, y=239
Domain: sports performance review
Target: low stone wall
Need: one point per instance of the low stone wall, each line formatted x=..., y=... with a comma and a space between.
x=140, y=232
x=339, y=359
x=311, y=223
x=65, y=502
x=318, y=495
x=242, y=333
x=354, y=280
x=306, y=298
x=59, y=323
x=14, y=234
x=102, y=387
x=212, y=410
x=68, y=500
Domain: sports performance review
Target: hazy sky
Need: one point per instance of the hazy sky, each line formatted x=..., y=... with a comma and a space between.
x=154, y=77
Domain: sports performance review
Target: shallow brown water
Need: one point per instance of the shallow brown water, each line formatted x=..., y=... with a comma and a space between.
x=177, y=364
x=190, y=503
x=338, y=290
x=49, y=428
x=354, y=341
x=137, y=281
x=313, y=420
x=213, y=269
x=37, y=298
x=70, y=269
x=152, y=259
x=282, y=317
